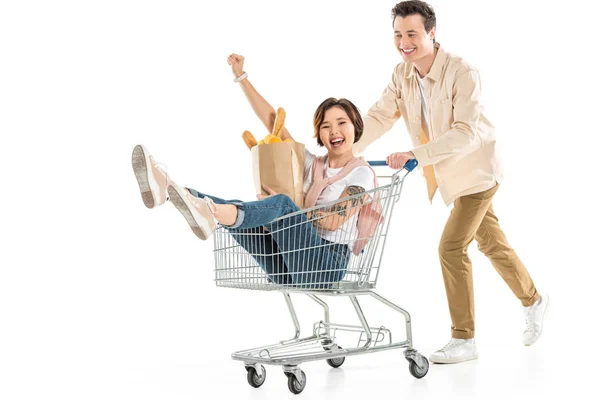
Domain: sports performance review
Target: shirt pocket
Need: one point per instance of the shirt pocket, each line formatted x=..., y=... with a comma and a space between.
x=400, y=103
x=443, y=116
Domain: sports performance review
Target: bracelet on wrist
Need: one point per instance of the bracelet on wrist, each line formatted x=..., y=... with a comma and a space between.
x=241, y=77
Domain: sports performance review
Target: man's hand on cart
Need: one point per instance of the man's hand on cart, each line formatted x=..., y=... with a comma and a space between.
x=398, y=160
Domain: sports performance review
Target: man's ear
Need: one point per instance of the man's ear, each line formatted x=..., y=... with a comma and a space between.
x=432, y=33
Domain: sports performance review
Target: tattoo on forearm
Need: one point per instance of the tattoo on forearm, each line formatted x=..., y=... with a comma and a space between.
x=316, y=214
x=339, y=209
x=354, y=190
x=315, y=217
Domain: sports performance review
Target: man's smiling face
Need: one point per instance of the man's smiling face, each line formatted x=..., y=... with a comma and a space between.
x=411, y=39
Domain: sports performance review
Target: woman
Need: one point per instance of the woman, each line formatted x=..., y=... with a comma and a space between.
x=308, y=249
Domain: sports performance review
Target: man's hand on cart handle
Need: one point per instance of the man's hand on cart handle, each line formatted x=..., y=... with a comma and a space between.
x=398, y=160
x=268, y=190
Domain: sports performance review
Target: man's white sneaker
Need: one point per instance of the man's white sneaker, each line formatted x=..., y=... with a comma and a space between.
x=151, y=177
x=197, y=212
x=457, y=350
x=534, y=320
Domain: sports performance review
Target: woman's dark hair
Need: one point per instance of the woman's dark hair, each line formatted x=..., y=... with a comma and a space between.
x=348, y=107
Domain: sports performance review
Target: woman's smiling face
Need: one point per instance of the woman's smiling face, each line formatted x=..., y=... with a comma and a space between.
x=337, y=131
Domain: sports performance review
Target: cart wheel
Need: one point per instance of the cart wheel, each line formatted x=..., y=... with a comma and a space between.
x=416, y=371
x=337, y=361
x=253, y=378
x=293, y=384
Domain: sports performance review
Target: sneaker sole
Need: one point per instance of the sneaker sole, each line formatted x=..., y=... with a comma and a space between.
x=453, y=361
x=139, y=162
x=542, y=325
x=185, y=208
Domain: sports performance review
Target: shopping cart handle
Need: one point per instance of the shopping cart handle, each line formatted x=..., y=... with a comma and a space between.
x=409, y=166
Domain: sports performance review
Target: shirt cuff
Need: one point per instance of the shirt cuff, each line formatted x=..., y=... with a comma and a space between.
x=421, y=155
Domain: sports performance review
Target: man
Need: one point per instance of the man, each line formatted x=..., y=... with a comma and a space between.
x=438, y=95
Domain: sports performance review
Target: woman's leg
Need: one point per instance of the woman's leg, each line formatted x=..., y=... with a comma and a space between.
x=217, y=200
x=258, y=243
x=312, y=261
x=253, y=214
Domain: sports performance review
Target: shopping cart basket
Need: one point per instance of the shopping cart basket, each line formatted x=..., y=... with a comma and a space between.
x=322, y=266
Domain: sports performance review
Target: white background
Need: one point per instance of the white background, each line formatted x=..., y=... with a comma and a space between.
x=101, y=298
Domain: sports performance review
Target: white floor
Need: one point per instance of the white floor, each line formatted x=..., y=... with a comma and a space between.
x=167, y=353
x=502, y=372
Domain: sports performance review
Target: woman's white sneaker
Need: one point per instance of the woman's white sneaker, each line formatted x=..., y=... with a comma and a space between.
x=152, y=178
x=456, y=351
x=196, y=211
x=534, y=320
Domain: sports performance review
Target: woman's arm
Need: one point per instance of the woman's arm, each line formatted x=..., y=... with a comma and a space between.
x=261, y=107
x=341, y=212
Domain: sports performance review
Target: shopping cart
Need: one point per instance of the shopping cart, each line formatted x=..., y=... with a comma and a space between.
x=251, y=259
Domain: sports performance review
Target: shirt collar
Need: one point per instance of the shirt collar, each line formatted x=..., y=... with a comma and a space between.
x=435, y=72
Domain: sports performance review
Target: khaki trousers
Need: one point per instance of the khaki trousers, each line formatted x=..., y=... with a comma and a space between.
x=473, y=218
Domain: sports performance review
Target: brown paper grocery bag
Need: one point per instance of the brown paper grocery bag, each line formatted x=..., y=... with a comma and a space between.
x=280, y=166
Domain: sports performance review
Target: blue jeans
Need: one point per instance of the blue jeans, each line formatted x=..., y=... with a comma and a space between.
x=290, y=250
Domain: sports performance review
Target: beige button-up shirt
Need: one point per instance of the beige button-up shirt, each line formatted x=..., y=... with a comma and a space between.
x=462, y=141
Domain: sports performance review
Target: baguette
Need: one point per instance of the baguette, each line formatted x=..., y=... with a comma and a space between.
x=279, y=120
x=249, y=139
